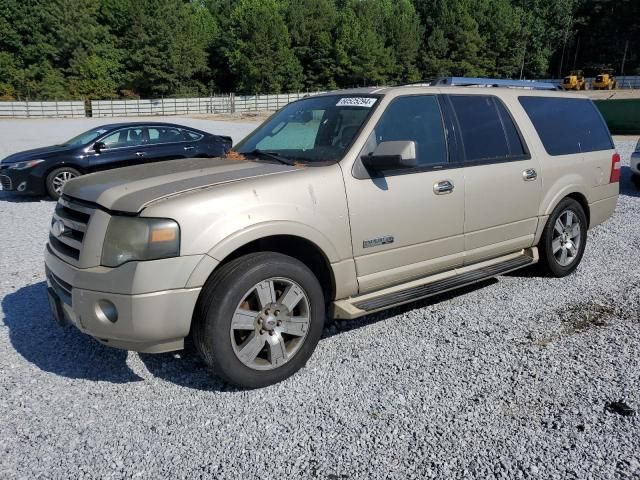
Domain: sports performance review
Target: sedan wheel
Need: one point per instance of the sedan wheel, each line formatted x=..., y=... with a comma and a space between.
x=57, y=179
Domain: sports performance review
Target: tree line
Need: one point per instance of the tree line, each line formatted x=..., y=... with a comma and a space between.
x=100, y=49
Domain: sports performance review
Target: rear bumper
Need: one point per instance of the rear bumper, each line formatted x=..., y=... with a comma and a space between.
x=152, y=322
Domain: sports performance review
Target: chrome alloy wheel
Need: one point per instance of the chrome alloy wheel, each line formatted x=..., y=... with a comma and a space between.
x=270, y=324
x=567, y=235
x=60, y=179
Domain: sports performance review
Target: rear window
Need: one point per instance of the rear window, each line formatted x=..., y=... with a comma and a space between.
x=567, y=125
x=487, y=130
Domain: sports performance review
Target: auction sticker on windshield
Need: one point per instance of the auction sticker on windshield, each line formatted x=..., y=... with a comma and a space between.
x=366, y=102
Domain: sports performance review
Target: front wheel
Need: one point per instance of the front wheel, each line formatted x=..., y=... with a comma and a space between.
x=57, y=179
x=564, y=238
x=259, y=319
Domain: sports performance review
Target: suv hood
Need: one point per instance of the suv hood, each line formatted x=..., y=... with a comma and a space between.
x=131, y=189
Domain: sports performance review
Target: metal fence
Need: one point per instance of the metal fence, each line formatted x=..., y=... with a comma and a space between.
x=225, y=103
x=228, y=103
x=42, y=109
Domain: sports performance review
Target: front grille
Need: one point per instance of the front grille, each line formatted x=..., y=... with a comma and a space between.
x=62, y=288
x=68, y=228
x=6, y=182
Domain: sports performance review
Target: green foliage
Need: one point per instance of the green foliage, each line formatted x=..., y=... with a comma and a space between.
x=122, y=48
x=258, y=48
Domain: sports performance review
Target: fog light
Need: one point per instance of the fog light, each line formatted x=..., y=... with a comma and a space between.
x=23, y=186
x=106, y=311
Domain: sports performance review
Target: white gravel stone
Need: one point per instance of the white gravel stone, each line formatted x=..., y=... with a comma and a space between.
x=507, y=379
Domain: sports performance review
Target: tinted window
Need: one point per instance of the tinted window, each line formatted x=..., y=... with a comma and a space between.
x=192, y=135
x=414, y=118
x=129, y=137
x=516, y=148
x=481, y=128
x=567, y=125
x=164, y=135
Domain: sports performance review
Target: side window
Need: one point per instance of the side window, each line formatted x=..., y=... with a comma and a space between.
x=567, y=125
x=129, y=137
x=516, y=147
x=416, y=118
x=481, y=128
x=192, y=136
x=164, y=135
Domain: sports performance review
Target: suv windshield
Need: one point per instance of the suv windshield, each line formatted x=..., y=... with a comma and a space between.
x=316, y=129
x=86, y=137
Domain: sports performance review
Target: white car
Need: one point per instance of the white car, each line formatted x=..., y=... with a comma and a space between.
x=635, y=163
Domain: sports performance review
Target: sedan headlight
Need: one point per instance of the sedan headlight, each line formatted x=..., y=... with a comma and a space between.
x=24, y=165
x=136, y=238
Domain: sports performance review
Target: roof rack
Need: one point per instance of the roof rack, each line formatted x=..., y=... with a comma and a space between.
x=493, y=82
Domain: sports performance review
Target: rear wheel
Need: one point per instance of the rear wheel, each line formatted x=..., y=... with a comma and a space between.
x=258, y=319
x=564, y=238
x=57, y=179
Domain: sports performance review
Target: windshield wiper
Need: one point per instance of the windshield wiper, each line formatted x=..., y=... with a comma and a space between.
x=272, y=156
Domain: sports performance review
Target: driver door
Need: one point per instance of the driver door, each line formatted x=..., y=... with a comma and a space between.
x=403, y=227
x=122, y=147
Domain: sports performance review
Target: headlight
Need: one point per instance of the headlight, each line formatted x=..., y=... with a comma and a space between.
x=136, y=238
x=24, y=165
x=638, y=146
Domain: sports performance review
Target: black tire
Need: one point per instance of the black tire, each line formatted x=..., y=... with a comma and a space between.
x=50, y=185
x=548, y=261
x=218, y=302
x=635, y=179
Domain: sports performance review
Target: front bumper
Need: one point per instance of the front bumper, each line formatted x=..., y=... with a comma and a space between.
x=150, y=321
x=21, y=181
x=635, y=163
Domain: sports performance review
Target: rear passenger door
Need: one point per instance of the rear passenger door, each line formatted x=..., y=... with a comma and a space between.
x=403, y=227
x=502, y=181
x=166, y=143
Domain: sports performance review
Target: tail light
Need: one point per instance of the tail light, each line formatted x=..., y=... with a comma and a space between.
x=615, y=169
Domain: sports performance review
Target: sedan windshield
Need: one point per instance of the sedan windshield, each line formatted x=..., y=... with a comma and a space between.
x=86, y=137
x=316, y=129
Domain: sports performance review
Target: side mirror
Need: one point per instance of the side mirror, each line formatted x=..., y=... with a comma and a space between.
x=392, y=156
x=99, y=146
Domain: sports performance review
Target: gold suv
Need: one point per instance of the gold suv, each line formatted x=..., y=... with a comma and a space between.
x=338, y=205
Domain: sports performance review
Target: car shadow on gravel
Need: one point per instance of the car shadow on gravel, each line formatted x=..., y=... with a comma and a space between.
x=11, y=197
x=628, y=186
x=63, y=351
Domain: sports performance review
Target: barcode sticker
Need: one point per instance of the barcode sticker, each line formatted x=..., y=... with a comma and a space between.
x=366, y=102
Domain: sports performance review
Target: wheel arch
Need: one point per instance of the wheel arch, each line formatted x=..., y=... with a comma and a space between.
x=299, y=247
x=55, y=166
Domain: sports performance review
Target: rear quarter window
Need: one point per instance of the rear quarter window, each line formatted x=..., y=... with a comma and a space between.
x=567, y=125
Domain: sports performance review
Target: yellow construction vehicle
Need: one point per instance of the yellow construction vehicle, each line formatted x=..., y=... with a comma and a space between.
x=605, y=80
x=575, y=81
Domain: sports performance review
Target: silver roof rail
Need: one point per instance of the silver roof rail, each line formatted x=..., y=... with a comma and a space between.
x=493, y=82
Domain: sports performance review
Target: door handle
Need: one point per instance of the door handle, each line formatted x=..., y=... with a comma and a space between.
x=139, y=154
x=443, y=188
x=188, y=148
x=529, y=175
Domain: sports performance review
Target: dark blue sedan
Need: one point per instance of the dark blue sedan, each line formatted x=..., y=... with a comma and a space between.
x=46, y=170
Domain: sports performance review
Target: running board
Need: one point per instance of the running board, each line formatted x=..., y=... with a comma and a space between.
x=355, y=307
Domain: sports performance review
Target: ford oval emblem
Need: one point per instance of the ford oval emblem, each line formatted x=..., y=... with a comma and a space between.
x=58, y=229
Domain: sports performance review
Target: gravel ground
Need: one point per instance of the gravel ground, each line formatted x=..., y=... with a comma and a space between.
x=508, y=379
